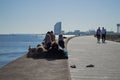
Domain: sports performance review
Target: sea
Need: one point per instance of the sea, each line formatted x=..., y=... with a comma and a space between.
x=13, y=46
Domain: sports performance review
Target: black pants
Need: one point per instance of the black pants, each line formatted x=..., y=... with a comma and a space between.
x=48, y=46
x=98, y=37
x=103, y=38
x=61, y=44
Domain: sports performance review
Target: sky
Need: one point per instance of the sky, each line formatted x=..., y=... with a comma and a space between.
x=40, y=16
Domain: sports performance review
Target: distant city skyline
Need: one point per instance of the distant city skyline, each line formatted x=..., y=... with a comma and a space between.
x=40, y=16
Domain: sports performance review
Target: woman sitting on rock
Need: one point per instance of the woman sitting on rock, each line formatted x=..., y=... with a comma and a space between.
x=61, y=41
x=55, y=52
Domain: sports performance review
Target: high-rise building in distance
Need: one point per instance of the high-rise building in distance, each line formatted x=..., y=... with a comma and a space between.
x=57, y=28
x=118, y=28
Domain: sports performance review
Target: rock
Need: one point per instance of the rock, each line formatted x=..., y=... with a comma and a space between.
x=90, y=65
x=73, y=66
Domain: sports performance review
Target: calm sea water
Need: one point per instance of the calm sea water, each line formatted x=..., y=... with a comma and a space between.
x=14, y=46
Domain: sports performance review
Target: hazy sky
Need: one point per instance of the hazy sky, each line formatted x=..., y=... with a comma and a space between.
x=40, y=16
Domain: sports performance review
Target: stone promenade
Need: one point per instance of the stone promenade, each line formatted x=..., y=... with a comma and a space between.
x=94, y=61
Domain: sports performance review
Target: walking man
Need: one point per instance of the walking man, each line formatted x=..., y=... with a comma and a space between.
x=103, y=35
x=98, y=32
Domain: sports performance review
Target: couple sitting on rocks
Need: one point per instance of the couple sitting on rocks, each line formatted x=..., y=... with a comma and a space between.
x=50, y=38
x=50, y=48
x=54, y=52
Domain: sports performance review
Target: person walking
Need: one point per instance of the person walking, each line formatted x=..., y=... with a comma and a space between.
x=103, y=35
x=98, y=33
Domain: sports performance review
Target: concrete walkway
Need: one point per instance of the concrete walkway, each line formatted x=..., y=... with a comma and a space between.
x=105, y=58
x=39, y=69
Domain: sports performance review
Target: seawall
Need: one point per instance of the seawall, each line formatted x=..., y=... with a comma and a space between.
x=113, y=37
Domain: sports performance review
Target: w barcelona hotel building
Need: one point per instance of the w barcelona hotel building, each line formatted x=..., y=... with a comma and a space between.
x=57, y=28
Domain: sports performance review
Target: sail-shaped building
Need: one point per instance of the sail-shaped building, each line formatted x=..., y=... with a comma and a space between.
x=57, y=28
